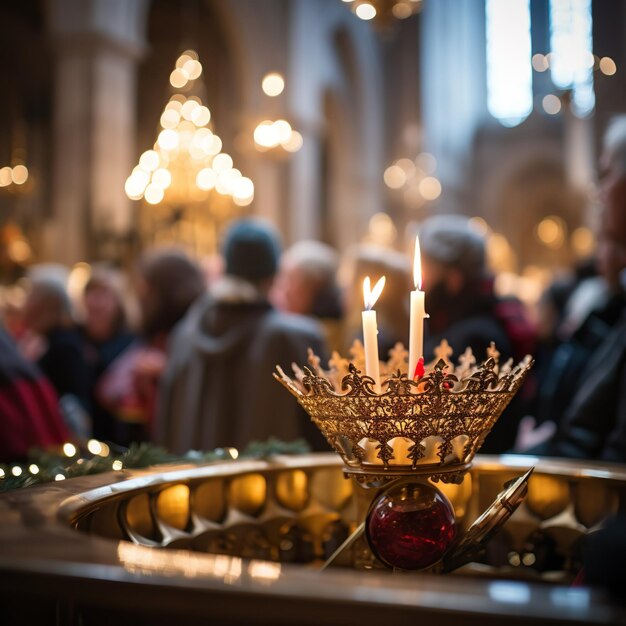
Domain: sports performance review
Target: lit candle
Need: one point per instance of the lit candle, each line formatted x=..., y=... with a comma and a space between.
x=370, y=329
x=416, y=331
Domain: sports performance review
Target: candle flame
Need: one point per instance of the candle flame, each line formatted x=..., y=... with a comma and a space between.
x=370, y=296
x=417, y=265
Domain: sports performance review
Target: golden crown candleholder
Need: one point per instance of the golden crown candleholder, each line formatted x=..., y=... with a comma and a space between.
x=410, y=434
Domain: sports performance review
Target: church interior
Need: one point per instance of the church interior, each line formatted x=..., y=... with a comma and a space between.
x=312, y=311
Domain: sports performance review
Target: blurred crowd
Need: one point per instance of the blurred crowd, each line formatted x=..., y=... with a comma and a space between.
x=182, y=355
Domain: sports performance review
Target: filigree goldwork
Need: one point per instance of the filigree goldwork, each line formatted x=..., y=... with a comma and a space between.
x=433, y=425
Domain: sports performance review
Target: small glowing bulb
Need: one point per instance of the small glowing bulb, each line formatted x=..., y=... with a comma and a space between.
x=19, y=175
x=2, y=474
x=16, y=470
x=117, y=465
x=94, y=446
x=59, y=477
x=273, y=84
x=69, y=449
x=33, y=469
x=366, y=11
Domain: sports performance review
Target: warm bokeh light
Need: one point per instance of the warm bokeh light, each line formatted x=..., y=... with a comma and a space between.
x=394, y=177
x=162, y=178
x=178, y=79
x=149, y=160
x=540, y=62
x=206, y=179
x=608, y=66
x=69, y=449
x=583, y=242
x=551, y=104
x=294, y=143
x=479, y=225
x=188, y=108
x=153, y=194
x=408, y=166
x=365, y=11
x=402, y=10
x=192, y=69
x=273, y=84
x=430, y=188
x=79, y=276
x=426, y=162
x=19, y=174
x=551, y=232
x=16, y=470
x=187, y=162
x=5, y=176
x=201, y=116
x=33, y=468
x=222, y=162
x=94, y=446
x=381, y=230
x=19, y=251
x=168, y=139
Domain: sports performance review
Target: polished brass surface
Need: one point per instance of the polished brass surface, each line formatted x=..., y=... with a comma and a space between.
x=245, y=554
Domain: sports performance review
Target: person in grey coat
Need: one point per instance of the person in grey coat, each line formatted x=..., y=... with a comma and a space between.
x=218, y=389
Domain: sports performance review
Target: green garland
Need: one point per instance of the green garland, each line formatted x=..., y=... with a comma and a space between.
x=46, y=466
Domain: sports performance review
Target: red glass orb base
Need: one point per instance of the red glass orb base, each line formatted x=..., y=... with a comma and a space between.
x=410, y=526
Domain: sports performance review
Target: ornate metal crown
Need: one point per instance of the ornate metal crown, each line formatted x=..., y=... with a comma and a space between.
x=432, y=426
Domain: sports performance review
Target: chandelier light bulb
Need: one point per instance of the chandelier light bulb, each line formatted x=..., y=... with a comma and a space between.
x=365, y=11
x=206, y=179
x=19, y=175
x=168, y=139
x=222, y=162
x=273, y=84
x=200, y=116
x=188, y=108
x=5, y=176
x=178, y=79
x=294, y=143
x=282, y=130
x=153, y=194
x=162, y=178
x=149, y=160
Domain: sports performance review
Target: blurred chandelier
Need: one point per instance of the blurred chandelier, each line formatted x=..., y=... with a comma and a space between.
x=186, y=168
x=275, y=135
x=384, y=11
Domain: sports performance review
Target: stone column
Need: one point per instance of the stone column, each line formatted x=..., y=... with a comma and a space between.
x=97, y=44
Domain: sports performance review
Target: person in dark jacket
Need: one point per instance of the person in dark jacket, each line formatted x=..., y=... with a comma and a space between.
x=218, y=389
x=465, y=310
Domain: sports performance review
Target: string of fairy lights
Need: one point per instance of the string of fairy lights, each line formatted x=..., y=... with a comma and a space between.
x=95, y=457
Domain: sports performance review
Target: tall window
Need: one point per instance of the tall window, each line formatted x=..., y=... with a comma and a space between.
x=571, y=59
x=509, y=69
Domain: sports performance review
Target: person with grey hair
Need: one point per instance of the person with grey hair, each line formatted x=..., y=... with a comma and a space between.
x=465, y=310
x=461, y=302
x=306, y=284
x=55, y=343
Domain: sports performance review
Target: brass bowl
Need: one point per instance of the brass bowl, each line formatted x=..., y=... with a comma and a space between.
x=240, y=542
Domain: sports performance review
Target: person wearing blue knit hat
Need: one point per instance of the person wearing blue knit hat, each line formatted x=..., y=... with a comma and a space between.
x=218, y=390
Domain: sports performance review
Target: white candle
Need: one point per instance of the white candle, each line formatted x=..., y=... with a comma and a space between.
x=370, y=330
x=418, y=314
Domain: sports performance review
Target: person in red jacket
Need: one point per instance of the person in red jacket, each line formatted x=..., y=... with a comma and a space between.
x=29, y=407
